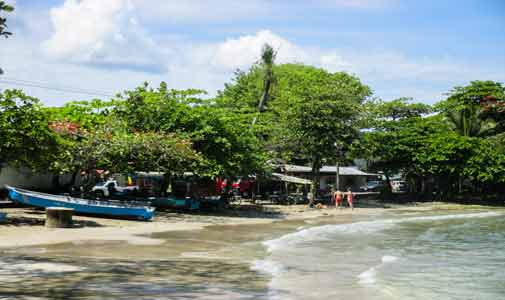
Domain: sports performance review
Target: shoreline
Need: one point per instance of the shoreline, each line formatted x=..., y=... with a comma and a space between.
x=23, y=234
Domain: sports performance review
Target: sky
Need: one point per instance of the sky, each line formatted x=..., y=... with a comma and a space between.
x=66, y=50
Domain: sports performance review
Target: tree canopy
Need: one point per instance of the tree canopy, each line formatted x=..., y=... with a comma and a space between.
x=26, y=139
x=302, y=113
x=3, y=22
x=440, y=148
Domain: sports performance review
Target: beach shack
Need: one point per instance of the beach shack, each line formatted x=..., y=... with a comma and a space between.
x=350, y=176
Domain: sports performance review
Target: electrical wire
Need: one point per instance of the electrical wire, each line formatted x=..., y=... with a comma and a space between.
x=47, y=86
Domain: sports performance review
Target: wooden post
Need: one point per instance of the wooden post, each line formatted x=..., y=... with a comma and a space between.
x=2, y=217
x=59, y=217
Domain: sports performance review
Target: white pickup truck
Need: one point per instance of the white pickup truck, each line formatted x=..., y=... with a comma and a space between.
x=111, y=186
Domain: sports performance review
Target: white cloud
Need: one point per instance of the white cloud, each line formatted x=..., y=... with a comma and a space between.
x=106, y=45
x=243, y=51
x=101, y=33
x=82, y=27
x=335, y=62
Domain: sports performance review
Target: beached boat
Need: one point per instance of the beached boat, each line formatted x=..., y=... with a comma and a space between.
x=134, y=210
x=175, y=203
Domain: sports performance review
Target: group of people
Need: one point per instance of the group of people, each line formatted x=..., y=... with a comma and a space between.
x=338, y=196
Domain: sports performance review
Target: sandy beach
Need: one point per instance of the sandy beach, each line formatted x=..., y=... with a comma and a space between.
x=25, y=226
x=251, y=252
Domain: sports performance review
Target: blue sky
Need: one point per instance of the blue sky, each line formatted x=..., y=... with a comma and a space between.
x=400, y=48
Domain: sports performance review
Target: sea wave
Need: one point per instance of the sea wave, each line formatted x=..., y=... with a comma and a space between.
x=325, y=232
x=369, y=277
x=10, y=271
x=267, y=267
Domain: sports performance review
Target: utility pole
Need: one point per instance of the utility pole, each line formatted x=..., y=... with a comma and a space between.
x=338, y=147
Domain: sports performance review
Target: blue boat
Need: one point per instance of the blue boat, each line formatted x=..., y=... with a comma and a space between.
x=176, y=203
x=134, y=210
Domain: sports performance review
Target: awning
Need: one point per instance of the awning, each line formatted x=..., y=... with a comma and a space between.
x=292, y=179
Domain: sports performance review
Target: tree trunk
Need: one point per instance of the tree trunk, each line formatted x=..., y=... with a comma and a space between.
x=388, y=182
x=316, y=166
x=315, y=180
x=55, y=182
x=67, y=186
x=165, y=184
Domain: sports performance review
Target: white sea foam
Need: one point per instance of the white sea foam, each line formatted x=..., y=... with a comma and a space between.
x=368, y=277
x=321, y=233
x=49, y=267
x=202, y=255
x=389, y=259
x=450, y=217
x=268, y=267
x=26, y=251
x=28, y=267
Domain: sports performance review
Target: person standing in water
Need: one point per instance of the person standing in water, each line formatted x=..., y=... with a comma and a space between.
x=350, y=197
x=338, y=198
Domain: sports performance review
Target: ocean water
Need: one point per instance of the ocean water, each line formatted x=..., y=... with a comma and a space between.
x=413, y=255
x=445, y=256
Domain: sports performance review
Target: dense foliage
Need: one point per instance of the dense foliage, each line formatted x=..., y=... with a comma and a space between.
x=291, y=113
x=285, y=127
x=3, y=22
x=458, y=149
x=25, y=136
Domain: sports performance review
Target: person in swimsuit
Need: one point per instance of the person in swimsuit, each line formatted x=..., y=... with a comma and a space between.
x=338, y=198
x=350, y=197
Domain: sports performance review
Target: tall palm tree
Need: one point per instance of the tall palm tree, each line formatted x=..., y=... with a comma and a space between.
x=267, y=62
x=467, y=122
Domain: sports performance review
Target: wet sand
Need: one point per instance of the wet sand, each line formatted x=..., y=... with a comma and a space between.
x=220, y=255
x=25, y=226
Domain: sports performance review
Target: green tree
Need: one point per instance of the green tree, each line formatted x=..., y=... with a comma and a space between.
x=467, y=108
x=222, y=137
x=86, y=114
x=295, y=84
x=3, y=22
x=487, y=162
x=25, y=137
x=392, y=146
x=320, y=122
x=267, y=63
x=397, y=109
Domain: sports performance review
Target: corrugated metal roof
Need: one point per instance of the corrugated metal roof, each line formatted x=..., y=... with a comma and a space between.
x=344, y=171
x=293, y=179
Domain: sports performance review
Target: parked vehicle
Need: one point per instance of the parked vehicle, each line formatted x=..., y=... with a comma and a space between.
x=109, y=208
x=373, y=186
x=112, y=188
x=398, y=186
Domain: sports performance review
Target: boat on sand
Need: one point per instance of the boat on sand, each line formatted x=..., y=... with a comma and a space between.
x=104, y=208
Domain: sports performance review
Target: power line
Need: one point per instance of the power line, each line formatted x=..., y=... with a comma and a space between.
x=46, y=86
x=67, y=90
x=59, y=86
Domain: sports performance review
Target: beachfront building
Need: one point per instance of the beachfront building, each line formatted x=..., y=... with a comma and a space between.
x=28, y=179
x=350, y=176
